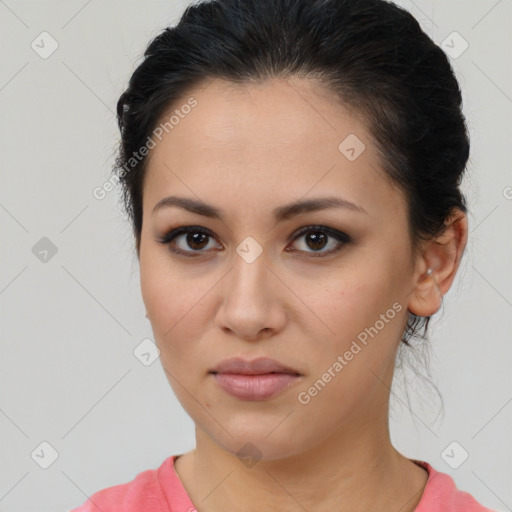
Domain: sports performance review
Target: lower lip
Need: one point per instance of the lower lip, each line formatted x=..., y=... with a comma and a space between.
x=255, y=387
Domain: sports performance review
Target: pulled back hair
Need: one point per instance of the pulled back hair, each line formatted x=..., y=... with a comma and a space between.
x=371, y=54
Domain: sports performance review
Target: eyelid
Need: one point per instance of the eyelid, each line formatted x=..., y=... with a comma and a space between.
x=342, y=238
x=172, y=234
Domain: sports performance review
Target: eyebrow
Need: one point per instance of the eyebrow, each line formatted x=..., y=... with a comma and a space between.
x=281, y=213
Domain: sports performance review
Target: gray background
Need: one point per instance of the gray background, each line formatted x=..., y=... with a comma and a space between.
x=68, y=374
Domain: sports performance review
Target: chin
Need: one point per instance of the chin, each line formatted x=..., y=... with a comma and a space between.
x=251, y=447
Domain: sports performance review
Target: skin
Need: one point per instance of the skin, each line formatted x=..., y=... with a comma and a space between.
x=248, y=149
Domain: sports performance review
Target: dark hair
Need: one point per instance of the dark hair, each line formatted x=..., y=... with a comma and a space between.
x=373, y=56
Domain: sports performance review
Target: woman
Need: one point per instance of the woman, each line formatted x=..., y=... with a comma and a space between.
x=291, y=169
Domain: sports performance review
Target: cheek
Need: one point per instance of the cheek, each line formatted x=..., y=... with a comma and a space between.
x=176, y=304
x=355, y=301
x=365, y=316
x=364, y=313
x=177, y=316
x=164, y=288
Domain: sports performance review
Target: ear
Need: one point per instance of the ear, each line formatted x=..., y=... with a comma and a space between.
x=442, y=256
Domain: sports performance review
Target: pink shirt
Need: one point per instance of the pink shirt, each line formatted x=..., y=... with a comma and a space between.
x=161, y=490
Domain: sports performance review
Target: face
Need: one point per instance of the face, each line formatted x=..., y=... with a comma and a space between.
x=322, y=291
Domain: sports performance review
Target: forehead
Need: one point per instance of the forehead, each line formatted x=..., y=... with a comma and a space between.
x=275, y=138
x=273, y=113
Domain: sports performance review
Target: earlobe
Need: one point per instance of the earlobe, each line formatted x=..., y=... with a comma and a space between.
x=427, y=298
x=438, y=266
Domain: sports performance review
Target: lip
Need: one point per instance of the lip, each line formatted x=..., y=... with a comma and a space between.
x=254, y=380
x=259, y=366
x=255, y=387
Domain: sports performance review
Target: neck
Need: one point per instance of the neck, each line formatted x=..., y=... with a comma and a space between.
x=356, y=469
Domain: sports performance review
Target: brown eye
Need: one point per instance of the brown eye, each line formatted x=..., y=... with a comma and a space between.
x=193, y=241
x=188, y=241
x=196, y=240
x=317, y=238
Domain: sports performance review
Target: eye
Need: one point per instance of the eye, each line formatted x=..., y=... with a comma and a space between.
x=316, y=237
x=196, y=238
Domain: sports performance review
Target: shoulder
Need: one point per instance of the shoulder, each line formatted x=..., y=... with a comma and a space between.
x=144, y=492
x=441, y=494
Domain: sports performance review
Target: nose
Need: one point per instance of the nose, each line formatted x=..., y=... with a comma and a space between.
x=251, y=303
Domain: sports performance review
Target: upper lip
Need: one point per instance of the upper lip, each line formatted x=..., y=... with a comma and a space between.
x=257, y=366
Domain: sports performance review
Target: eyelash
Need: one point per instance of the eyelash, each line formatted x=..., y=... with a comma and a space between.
x=342, y=238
